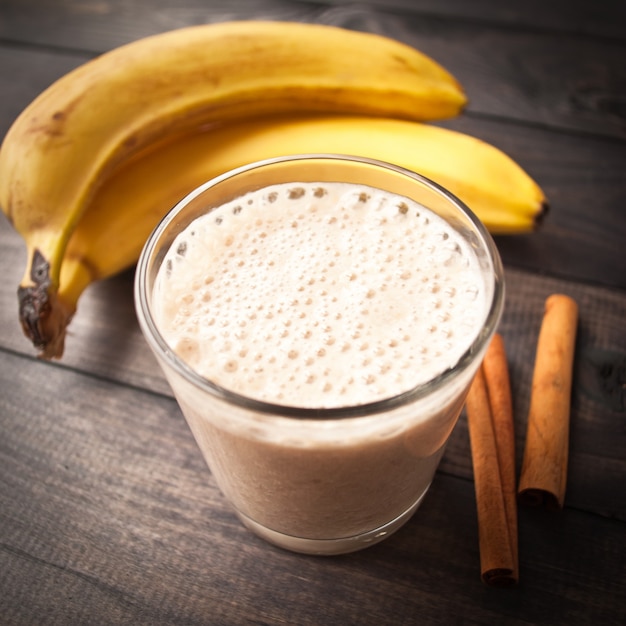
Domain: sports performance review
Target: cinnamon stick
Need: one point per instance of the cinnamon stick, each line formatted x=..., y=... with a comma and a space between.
x=497, y=562
x=544, y=468
x=496, y=370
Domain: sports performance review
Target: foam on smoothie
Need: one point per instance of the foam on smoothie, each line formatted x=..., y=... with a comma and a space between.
x=319, y=295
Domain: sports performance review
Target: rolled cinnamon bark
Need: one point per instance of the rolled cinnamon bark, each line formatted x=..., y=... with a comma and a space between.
x=496, y=370
x=543, y=477
x=497, y=562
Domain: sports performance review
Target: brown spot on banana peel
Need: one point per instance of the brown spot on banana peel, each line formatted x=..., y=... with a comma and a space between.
x=34, y=303
x=42, y=316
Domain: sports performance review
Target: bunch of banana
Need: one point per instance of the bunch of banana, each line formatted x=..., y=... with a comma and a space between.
x=67, y=142
x=93, y=164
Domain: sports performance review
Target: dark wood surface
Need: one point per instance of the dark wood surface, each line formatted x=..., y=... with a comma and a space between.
x=108, y=514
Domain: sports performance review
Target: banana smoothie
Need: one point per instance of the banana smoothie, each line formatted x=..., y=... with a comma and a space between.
x=316, y=310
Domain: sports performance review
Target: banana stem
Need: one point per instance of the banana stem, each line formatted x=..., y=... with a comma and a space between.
x=44, y=316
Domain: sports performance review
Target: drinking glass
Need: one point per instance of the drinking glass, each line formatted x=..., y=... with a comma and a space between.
x=321, y=480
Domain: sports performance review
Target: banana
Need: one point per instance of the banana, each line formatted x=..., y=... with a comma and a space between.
x=67, y=141
x=114, y=227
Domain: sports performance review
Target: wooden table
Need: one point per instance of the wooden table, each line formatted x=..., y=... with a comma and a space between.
x=108, y=514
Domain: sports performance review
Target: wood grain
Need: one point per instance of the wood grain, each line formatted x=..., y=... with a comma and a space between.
x=108, y=514
x=107, y=510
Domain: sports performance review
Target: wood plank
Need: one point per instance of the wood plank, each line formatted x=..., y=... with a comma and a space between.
x=107, y=512
x=546, y=76
x=126, y=18
x=606, y=19
x=95, y=26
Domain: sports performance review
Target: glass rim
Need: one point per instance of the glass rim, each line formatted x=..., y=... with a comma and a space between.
x=159, y=345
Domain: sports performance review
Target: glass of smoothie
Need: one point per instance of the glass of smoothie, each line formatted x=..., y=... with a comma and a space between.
x=320, y=319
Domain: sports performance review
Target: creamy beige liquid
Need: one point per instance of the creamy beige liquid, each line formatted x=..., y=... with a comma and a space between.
x=316, y=295
x=321, y=295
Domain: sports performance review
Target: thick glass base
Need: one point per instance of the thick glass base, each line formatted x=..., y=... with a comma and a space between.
x=328, y=547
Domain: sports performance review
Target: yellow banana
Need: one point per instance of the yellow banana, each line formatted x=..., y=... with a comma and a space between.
x=67, y=140
x=116, y=224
